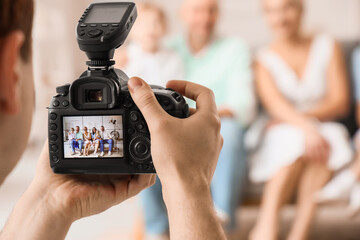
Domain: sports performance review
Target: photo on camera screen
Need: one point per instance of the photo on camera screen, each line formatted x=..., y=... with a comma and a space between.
x=93, y=137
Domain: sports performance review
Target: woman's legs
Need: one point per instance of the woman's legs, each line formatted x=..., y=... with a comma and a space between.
x=314, y=177
x=277, y=191
x=97, y=143
x=86, y=149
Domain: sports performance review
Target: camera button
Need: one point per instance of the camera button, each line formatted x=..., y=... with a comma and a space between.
x=143, y=166
x=55, y=159
x=115, y=25
x=131, y=131
x=134, y=116
x=53, y=127
x=93, y=25
x=65, y=103
x=54, y=148
x=82, y=33
x=104, y=25
x=94, y=33
x=140, y=127
x=166, y=102
x=54, y=138
x=128, y=102
x=83, y=25
x=140, y=149
x=53, y=116
x=56, y=103
x=177, y=96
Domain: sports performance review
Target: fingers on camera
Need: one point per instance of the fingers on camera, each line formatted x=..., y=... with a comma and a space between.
x=204, y=97
x=146, y=102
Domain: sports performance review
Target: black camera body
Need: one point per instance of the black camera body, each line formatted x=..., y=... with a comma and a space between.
x=100, y=102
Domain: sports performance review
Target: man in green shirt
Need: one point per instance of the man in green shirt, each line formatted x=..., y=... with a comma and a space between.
x=223, y=65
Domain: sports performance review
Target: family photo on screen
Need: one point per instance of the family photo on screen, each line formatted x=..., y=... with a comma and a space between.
x=93, y=136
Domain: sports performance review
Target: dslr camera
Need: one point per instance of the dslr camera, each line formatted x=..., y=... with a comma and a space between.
x=94, y=126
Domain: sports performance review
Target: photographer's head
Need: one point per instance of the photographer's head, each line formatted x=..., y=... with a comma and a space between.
x=102, y=128
x=77, y=129
x=16, y=80
x=200, y=18
x=284, y=17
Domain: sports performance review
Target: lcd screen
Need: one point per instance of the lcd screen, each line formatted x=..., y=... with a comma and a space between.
x=106, y=13
x=93, y=137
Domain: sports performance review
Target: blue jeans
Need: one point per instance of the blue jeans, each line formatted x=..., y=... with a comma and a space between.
x=75, y=144
x=103, y=141
x=226, y=186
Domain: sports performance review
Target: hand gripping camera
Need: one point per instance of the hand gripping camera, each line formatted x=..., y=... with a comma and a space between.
x=94, y=125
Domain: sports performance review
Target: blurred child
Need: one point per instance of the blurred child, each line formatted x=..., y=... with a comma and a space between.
x=145, y=56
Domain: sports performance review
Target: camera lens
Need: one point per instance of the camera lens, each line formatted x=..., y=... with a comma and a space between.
x=95, y=95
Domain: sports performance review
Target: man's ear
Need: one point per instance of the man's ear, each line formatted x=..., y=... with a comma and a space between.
x=10, y=57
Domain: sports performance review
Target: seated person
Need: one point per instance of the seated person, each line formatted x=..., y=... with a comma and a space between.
x=87, y=141
x=223, y=65
x=302, y=84
x=79, y=141
x=71, y=137
x=145, y=56
x=95, y=136
x=105, y=138
x=346, y=185
x=53, y=202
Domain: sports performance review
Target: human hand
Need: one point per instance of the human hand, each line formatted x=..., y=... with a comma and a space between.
x=78, y=196
x=55, y=201
x=317, y=149
x=185, y=154
x=192, y=145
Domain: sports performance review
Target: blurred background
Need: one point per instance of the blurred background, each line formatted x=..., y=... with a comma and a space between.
x=58, y=60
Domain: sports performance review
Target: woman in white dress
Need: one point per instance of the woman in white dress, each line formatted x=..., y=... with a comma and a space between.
x=301, y=82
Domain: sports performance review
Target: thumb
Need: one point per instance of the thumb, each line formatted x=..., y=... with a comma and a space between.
x=145, y=100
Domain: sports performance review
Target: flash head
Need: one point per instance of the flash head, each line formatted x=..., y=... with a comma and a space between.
x=104, y=27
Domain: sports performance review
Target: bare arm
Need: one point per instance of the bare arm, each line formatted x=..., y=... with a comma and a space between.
x=275, y=103
x=185, y=167
x=53, y=201
x=336, y=102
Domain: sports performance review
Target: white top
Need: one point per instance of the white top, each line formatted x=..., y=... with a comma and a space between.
x=104, y=135
x=306, y=91
x=156, y=69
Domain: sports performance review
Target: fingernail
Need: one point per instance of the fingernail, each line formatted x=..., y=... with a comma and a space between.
x=134, y=84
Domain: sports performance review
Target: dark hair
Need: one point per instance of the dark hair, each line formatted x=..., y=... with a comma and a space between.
x=92, y=130
x=17, y=15
x=72, y=129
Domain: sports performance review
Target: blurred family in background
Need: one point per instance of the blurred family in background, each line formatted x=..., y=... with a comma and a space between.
x=280, y=109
